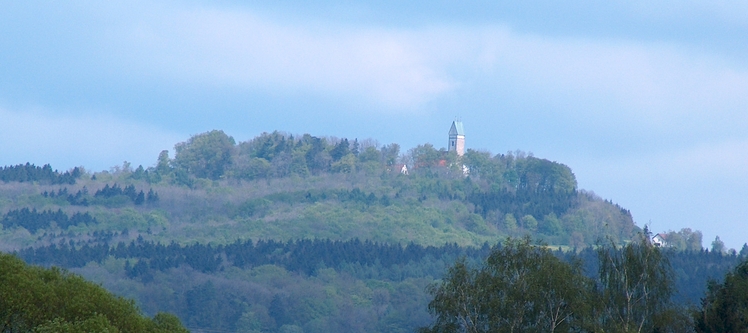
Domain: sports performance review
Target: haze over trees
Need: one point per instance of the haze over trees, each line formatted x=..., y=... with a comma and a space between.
x=319, y=234
x=332, y=188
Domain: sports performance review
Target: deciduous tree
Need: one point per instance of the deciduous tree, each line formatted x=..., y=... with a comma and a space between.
x=636, y=283
x=521, y=288
x=205, y=155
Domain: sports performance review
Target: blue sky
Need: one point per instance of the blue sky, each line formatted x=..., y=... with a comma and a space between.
x=646, y=102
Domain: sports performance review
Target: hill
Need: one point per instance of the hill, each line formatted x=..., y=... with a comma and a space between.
x=277, y=186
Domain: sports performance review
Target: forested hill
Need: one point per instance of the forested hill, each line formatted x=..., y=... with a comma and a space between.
x=280, y=186
x=287, y=233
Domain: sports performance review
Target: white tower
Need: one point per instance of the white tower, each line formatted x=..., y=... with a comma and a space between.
x=457, y=138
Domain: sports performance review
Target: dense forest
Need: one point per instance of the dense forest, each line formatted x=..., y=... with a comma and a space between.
x=297, y=233
x=312, y=285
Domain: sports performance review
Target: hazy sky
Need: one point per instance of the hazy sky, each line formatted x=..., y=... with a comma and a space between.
x=646, y=101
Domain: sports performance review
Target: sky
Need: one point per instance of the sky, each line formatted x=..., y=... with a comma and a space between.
x=646, y=101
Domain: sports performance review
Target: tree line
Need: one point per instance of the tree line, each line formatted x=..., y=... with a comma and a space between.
x=33, y=220
x=43, y=175
x=215, y=155
x=305, y=256
x=383, y=274
x=107, y=195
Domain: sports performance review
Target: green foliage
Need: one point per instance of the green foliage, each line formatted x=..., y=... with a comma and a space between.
x=525, y=288
x=528, y=188
x=510, y=222
x=44, y=174
x=322, y=285
x=96, y=323
x=636, y=285
x=684, y=240
x=540, y=175
x=254, y=207
x=530, y=223
x=725, y=307
x=51, y=300
x=718, y=246
x=280, y=187
x=206, y=155
x=521, y=288
x=425, y=156
x=251, y=168
x=355, y=197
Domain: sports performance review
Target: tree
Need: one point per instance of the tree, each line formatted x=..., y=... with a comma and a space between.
x=725, y=307
x=684, y=240
x=251, y=168
x=718, y=245
x=370, y=154
x=510, y=222
x=424, y=156
x=162, y=166
x=206, y=155
x=390, y=153
x=693, y=241
x=744, y=251
x=480, y=163
x=340, y=150
x=520, y=288
x=636, y=282
x=530, y=223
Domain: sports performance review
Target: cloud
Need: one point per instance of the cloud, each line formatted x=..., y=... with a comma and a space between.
x=726, y=12
x=243, y=49
x=96, y=142
x=651, y=84
x=722, y=162
x=654, y=86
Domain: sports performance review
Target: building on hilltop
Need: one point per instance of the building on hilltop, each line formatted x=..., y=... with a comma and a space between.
x=398, y=168
x=660, y=240
x=457, y=138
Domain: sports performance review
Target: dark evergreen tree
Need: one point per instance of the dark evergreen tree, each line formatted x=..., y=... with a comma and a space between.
x=139, y=199
x=725, y=307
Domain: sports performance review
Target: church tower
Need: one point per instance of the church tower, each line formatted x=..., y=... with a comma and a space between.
x=457, y=138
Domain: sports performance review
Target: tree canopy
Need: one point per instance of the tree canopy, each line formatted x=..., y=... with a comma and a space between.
x=524, y=288
x=520, y=288
x=725, y=307
x=52, y=300
x=205, y=155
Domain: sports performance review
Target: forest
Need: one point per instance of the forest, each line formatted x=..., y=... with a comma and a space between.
x=297, y=233
x=317, y=285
